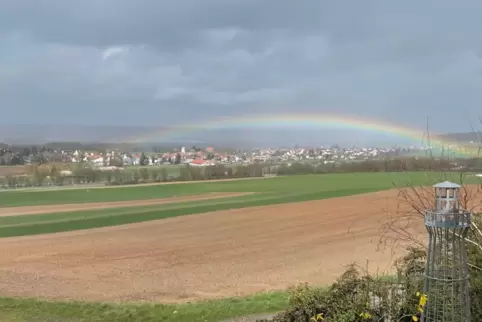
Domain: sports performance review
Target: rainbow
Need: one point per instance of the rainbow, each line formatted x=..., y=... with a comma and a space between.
x=303, y=120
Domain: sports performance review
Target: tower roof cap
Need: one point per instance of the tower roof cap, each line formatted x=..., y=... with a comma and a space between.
x=448, y=185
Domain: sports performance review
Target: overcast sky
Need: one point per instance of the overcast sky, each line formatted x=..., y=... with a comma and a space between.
x=158, y=62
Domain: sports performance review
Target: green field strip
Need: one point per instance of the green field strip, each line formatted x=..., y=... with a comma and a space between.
x=318, y=182
x=285, y=184
x=137, y=192
x=20, y=220
x=129, y=218
x=77, y=196
x=9, y=221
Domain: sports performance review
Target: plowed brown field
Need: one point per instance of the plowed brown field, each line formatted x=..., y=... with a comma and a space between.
x=12, y=170
x=225, y=253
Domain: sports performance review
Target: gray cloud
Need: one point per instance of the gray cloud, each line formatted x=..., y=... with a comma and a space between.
x=158, y=62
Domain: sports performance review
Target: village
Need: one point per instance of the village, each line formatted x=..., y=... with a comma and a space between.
x=209, y=156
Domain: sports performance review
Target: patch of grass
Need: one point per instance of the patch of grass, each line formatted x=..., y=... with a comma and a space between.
x=96, y=219
x=29, y=310
x=305, y=183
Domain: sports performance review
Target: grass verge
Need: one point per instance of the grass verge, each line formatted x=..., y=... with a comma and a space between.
x=29, y=310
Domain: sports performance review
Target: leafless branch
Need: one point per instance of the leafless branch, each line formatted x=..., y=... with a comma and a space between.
x=404, y=224
x=478, y=232
x=470, y=241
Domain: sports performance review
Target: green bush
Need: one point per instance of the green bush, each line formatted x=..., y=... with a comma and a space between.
x=347, y=300
x=356, y=296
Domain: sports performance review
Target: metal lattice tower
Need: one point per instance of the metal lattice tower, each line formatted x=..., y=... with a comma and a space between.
x=446, y=273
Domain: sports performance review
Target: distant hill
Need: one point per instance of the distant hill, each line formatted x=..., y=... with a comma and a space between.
x=462, y=137
x=117, y=137
x=24, y=133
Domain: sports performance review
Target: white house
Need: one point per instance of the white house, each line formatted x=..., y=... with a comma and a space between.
x=126, y=160
x=98, y=161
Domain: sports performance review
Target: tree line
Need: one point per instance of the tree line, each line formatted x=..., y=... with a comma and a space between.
x=14, y=156
x=85, y=174
x=386, y=165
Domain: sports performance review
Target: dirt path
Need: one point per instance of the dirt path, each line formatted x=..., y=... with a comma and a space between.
x=219, y=254
x=252, y=318
x=34, y=210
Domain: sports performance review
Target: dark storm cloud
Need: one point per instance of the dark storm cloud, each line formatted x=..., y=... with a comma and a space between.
x=176, y=24
x=156, y=61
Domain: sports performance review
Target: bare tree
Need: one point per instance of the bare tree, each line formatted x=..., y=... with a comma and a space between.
x=412, y=202
x=403, y=226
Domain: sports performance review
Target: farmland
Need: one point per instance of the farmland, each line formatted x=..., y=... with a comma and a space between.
x=194, y=242
x=12, y=170
x=301, y=185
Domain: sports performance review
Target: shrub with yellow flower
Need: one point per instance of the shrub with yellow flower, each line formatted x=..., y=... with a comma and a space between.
x=318, y=317
x=365, y=316
x=422, y=301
